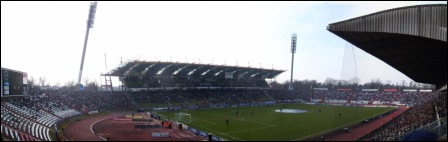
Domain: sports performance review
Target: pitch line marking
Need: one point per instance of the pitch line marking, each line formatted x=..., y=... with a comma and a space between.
x=97, y=122
x=315, y=134
x=221, y=133
x=205, y=121
x=249, y=129
x=240, y=119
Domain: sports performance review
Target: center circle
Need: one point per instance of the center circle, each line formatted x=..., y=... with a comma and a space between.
x=290, y=111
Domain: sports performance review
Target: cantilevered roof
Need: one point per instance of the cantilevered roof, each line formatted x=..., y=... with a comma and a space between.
x=411, y=39
x=142, y=68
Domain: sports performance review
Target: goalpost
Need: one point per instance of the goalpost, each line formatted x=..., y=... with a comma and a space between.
x=181, y=117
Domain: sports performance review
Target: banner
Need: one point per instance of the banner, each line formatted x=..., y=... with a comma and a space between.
x=370, y=90
x=409, y=90
x=93, y=112
x=344, y=89
x=425, y=90
x=202, y=134
x=160, y=135
x=321, y=89
x=391, y=90
x=215, y=138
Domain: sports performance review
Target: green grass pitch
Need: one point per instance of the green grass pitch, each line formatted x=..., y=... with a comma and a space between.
x=267, y=125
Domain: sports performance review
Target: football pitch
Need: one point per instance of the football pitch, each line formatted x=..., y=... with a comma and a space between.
x=263, y=123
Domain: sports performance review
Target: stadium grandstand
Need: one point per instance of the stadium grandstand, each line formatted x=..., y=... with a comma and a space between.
x=418, y=49
x=412, y=40
x=38, y=115
x=139, y=75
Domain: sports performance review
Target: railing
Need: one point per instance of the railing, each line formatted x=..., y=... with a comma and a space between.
x=432, y=127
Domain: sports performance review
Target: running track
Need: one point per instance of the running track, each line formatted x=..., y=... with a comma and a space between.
x=358, y=132
x=81, y=131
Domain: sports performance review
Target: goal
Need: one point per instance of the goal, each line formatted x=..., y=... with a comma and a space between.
x=181, y=117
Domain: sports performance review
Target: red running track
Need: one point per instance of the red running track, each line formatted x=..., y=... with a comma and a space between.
x=81, y=130
x=90, y=129
x=361, y=131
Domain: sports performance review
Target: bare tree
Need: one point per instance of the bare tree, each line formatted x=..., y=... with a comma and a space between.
x=92, y=86
x=70, y=85
x=31, y=83
x=388, y=82
x=58, y=84
x=354, y=80
x=344, y=82
x=42, y=80
x=378, y=83
x=86, y=81
x=330, y=81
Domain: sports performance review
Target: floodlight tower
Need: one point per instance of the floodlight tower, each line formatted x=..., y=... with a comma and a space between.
x=293, y=50
x=90, y=21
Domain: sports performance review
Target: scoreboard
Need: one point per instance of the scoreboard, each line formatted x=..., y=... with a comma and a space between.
x=13, y=83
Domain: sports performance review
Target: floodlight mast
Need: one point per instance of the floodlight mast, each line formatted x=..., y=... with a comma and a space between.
x=90, y=21
x=293, y=50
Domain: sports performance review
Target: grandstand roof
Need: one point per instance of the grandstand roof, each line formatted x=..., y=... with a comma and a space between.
x=411, y=39
x=137, y=68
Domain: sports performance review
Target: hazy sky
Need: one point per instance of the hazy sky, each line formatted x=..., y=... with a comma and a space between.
x=46, y=38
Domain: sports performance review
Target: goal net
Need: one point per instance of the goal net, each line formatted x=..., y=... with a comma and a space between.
x=181, y=117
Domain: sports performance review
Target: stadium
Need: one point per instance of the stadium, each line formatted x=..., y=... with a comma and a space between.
x=172, y=101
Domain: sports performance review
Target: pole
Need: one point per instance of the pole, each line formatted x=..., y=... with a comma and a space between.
x=105, y=61
x=83, y=54
x=292, y=69
x=293, y=50
x=90, y=21
x=101, y=85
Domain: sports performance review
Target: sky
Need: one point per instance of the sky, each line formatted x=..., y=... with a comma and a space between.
x=45, y=39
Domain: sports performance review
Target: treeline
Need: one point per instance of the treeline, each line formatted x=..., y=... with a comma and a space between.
x=42, y=84
x=333, y=83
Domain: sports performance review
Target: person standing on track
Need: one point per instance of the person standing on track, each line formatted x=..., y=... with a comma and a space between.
x=108, y=136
